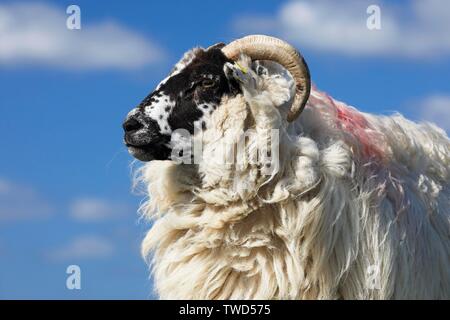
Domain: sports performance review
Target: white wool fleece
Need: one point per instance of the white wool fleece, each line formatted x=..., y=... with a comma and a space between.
x=358, y=206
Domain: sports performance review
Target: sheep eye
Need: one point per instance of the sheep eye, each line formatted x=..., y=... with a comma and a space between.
x=208, y=83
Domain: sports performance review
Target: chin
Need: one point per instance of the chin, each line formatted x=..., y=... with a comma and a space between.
x=148, y=153
x=141, y=154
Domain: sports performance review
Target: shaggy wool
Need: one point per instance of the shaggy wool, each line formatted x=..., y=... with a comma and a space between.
x=356, y=207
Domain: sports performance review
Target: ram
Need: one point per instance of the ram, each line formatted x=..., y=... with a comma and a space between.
x=294, y=195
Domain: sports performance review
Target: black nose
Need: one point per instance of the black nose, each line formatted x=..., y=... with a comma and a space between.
x=131, y=124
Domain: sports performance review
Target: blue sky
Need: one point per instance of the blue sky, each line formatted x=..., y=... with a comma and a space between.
x=65, y=186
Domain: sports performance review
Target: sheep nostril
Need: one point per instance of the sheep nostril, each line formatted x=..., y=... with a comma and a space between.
x=131, y=124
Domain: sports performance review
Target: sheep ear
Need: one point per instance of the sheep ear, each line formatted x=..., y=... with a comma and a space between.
x=187, y=57
x=218, y=45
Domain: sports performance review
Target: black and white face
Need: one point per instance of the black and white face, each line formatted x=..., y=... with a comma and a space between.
x=184, y=100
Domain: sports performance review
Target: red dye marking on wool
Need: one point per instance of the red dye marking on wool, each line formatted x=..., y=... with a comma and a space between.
x=356, y=124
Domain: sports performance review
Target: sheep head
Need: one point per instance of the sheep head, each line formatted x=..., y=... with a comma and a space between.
x=188, y=97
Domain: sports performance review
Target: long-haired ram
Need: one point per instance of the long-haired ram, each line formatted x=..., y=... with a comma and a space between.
x=250, y=201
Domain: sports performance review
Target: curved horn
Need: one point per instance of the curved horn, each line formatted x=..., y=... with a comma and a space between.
x=261, y=47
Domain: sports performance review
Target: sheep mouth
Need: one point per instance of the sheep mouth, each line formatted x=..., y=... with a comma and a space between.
x=140, y=153
x=149, y=152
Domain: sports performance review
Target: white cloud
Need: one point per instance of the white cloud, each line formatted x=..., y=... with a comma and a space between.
x=436, y=109
x=33, y=33
x=415, y=29
x=19, y=202
x=83, y=247
x=95, y=209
